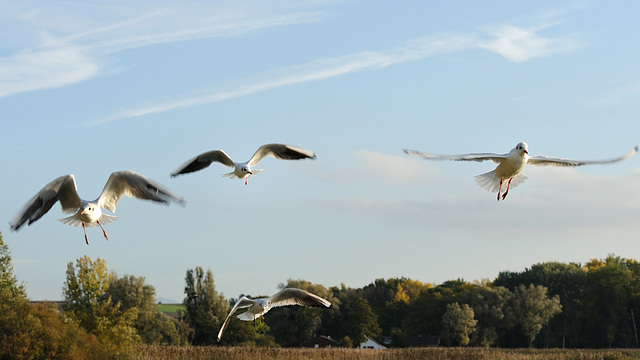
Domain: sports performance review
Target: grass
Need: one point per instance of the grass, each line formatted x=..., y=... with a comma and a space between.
x=241, y=353
x=170, y=308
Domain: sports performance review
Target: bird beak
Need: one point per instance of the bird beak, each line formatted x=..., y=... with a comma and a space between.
x=250, y=173
x=526, y=152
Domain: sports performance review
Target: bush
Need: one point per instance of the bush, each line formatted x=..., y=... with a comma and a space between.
x=39, y=332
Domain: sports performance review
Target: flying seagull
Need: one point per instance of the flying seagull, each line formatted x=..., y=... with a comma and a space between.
x=259, y=307
x=510, y=165
x=88, y=213
x=243, y=170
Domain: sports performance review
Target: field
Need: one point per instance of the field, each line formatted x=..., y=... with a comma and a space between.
x=170, y=308
x=215, y=352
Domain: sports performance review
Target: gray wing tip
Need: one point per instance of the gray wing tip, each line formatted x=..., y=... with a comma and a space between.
x=14, y=227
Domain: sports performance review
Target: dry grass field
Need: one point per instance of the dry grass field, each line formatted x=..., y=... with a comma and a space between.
x=215, y=352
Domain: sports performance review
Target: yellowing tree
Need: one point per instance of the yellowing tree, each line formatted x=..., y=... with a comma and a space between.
x=86, y=301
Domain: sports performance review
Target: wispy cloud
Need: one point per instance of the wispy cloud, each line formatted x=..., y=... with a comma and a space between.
x=79, y=53
x=46, y=68
x=513, y=43
x=380, y=169
x=313, y=71
x=521, y=44
x=76, y=56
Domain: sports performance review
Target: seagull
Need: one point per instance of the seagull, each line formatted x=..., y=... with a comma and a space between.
x=243, y=170
x=510, y=165
x=88, y=213
x=259, y=307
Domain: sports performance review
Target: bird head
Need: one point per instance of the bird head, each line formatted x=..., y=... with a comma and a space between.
x=88, y=208
x=246, y=170
x=522, y=148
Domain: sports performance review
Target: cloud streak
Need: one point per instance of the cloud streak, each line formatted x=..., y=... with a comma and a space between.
x=79, y=55
x=513, y=43
x=65, y=60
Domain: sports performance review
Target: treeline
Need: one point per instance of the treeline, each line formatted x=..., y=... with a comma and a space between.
x=548, y=305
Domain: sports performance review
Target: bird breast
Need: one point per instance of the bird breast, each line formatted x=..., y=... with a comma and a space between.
x=89, y=216
x=511, y=166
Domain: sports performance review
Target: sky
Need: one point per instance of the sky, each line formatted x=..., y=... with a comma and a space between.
x=89, y=88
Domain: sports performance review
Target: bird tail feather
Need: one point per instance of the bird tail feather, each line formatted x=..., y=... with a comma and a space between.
x=72, y=221
x=490, y=182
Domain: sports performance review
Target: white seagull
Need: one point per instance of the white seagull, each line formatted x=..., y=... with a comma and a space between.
x=88, y=213
x=243, y=170
x=510, y=165
x=259, y=307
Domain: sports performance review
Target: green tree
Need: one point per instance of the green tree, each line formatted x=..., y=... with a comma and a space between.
x=606, y=311
x=39, y=332
x=206, y=309
x=458, y=323
x=294, y=325
x=425, y=313
x=531, y=309
x=10, y=290
x=246, y=333
x=488, y=304
x=131, y=293
x=568, y=281
x=361, y=322
x=86, y=302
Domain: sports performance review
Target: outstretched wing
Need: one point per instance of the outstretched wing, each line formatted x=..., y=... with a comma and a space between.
x=292, y=296
x=62, y=189
x=204, y=160
x=552, y=161
x=243, y=302
x=496, y=158
x=136, y=185
x=282, y=152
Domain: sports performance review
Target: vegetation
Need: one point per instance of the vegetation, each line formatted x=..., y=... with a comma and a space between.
x=550, y=305
x=249, y=353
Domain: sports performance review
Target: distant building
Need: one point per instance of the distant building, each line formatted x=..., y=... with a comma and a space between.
x=371, y=344
x=422, y=341
x=320, y=341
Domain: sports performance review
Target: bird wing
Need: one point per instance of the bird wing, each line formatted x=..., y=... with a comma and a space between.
x=496, y=158
x=62, y=189
x=136, y=185
x=292, y=296
x=204, y=160
x=243, y=302
x=552, y=161
x=282, y=152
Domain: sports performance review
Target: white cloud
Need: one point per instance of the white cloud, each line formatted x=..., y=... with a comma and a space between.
x=379, y=170
x=47, y=68
x=521, y=44
x=90, y=33
x=77, y=41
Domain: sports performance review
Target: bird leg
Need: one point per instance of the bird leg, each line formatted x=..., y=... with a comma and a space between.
x=506, y=192
x=86, y=239
x=499, y=189
x=262, y=319
x=104, y=232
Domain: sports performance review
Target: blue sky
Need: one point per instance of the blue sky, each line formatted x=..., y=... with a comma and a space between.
x=92, y=88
